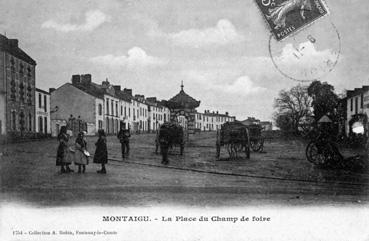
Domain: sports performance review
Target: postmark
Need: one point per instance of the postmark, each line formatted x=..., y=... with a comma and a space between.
x=309, y=55
x=286, y=17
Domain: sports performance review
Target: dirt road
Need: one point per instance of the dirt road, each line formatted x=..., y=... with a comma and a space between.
x=280, y=176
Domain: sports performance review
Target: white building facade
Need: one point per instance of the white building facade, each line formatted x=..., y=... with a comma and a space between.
x=357, y=107
x=42, y=121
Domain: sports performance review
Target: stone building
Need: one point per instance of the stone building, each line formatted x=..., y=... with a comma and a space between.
x=17, y=90
x=42, y=120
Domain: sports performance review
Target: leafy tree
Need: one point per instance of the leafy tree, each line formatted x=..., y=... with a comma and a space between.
x=325, y=100
x=293, y=108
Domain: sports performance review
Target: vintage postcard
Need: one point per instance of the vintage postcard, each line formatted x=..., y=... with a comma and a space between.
x=184, y=120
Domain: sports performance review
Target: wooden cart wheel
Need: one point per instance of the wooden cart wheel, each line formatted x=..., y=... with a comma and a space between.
x=318, y=154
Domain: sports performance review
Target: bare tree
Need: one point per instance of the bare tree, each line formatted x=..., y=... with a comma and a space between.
x=294, y=106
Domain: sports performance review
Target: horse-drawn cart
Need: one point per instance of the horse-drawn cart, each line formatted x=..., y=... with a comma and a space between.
x=168, y=136
x=235, y=137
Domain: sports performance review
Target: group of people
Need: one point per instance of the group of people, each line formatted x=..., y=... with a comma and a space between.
x=66, y=154
x=80, y=156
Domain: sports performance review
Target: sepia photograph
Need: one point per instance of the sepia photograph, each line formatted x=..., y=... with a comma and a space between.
x=184, y=120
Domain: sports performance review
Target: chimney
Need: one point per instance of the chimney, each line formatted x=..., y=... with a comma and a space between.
x=217, y=112
x=226, y=113
x=105, y=84
x=117, y=88
x=86, y=79
x=76, y=79
x=128, y=91
x=51, y=90
x=13, y=43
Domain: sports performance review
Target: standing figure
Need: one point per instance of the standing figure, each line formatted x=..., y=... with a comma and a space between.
x=62, y=156
x=81, y=158
x=123, y=137
x=101, y=152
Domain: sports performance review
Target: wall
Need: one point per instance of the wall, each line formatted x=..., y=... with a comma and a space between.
x=72, y=101
x=2, y=94
x=2, y=115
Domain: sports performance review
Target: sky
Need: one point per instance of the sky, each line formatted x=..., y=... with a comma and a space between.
x=218, y=48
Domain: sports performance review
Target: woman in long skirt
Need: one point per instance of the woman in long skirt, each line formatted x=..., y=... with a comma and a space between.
x=80, y=158
x=101, y=152
x=62, y=156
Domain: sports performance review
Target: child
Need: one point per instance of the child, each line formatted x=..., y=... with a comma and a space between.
x=101, y=152
x=81, y=160
x=62, y=156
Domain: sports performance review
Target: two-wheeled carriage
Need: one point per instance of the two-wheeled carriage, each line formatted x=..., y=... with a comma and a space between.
x=323, y=152
x=235, y=137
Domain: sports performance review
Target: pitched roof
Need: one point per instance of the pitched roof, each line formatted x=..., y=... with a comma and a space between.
x=92, y=89
x=124, y=96
x=182, y=100
x=357, y=91
x=42, y=91
x=13, y=49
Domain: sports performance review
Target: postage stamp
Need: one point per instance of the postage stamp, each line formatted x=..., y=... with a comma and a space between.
x=286, y=17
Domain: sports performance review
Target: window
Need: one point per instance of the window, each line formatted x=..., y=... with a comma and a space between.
x=13, y=121
x=21, y=69
x=107, y=106
x=121, y=110
x=125, y=112
x=30, y=122
x=40, y=125
x=362, y=101
x=39, y=100
x=100, y=109
x=45, y=103
x=107, y=125
x=129, y=111
x=356, y=104
x=352, y=104
x=100, y=124
x=116, y=108
x=45, y=124
x=112, y=107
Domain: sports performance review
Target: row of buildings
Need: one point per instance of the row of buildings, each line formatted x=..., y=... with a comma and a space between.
x=26, y=111
x=107, y=106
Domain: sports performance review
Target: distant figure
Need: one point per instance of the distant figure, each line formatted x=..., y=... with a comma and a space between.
x=101, y=152
x=81, y=154
x=62, y=156
x=123, y=137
